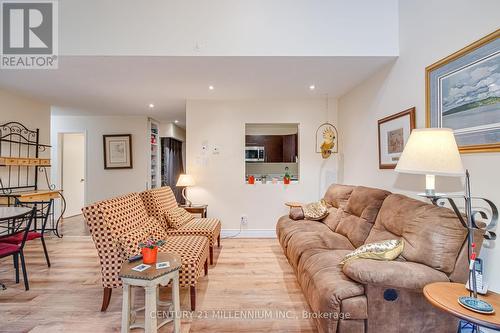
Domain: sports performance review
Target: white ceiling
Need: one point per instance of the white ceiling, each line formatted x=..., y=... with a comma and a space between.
x=121, y=85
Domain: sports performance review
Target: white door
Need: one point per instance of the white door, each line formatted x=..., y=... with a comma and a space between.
x=73, y=172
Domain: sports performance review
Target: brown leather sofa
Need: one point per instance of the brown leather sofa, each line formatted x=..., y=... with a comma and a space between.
x=375, y=296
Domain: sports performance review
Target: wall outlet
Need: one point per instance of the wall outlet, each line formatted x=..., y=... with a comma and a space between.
x=244, y=220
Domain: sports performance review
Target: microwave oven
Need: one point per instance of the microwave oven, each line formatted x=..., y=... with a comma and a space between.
x=255, y=154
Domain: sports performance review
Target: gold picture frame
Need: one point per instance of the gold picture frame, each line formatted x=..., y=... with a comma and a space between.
x=459, y=55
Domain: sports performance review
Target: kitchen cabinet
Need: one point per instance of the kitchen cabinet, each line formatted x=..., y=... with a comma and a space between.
x=278, y=148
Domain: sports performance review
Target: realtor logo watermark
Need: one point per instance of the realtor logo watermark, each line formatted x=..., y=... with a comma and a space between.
x=29, y=34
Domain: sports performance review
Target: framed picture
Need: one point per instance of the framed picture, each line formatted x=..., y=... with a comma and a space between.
x=117, y=151
x=463, y=93
x=393, y=133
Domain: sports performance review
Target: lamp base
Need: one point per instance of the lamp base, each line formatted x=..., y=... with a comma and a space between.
x=186, y=200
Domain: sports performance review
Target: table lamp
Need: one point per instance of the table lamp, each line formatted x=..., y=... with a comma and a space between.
x=434, y=152
x=431, y=152
x=185, y=181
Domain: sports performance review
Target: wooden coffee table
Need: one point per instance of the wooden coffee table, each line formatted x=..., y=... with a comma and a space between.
x=150, y=280
x=444, y=295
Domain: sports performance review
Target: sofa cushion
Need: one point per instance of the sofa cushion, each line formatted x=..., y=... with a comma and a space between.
x=337, y=195
x=326, y=287
x=286, y=227
x=360, y=213
x=433, y=235
x=208, y=227
x=300, y=242
x=177, y=217
x=393, y=274
x=333, y=218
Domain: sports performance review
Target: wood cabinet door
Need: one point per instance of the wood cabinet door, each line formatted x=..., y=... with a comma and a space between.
x=289, y=148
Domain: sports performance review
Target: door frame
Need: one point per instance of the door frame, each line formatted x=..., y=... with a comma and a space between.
x=59, y=173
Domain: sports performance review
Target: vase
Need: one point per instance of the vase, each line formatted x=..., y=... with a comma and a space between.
x=149, y=255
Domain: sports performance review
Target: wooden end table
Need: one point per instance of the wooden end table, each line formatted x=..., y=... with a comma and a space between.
x=150, y=280
x=444, y=295
x=197, y=209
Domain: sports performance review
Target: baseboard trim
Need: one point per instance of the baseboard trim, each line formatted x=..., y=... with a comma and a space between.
x=248, y=233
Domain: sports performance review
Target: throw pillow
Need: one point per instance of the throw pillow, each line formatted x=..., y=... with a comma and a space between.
x=129, y=242
x=315, y=211
x=385, y=250
x=177, y=217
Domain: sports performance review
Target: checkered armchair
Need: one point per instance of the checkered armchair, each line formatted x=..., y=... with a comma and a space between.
x=116, y=226
x=159, y=200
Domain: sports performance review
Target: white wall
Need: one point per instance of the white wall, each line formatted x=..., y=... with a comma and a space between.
x=101, y=183
x=229, y=27
x=29, y=112
x=221, y=178
x=429, y=30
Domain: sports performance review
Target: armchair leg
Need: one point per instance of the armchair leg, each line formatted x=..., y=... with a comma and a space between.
x=45, y=251
x=106, y=298
x=211, y=250
x=218, y=241
x=192, y=292
x=206, y=267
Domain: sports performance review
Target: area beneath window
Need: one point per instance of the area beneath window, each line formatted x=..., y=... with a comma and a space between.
x=271, y=153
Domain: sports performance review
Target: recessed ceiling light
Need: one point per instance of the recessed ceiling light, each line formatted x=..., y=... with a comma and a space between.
x=176, y=121
x=151, y=105
x=210, y=87
x=312, y=87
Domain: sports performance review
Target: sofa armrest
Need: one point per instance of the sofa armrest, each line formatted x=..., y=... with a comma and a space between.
x=393, y=274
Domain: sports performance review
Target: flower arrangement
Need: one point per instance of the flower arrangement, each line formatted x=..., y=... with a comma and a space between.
x=149, y=250
x=151, y=244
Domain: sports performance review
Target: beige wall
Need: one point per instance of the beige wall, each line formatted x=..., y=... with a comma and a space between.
x=29, y=112
x=220, y=177
x=100, y=183
x=429, y=31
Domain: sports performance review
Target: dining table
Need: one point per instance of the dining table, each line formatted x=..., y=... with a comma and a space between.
x=7, y=214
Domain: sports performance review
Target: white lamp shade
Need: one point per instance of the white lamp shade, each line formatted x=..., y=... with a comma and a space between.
x=185, y=180
x=431, y=151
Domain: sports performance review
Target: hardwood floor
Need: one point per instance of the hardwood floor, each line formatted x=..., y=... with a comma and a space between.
x=251, y=278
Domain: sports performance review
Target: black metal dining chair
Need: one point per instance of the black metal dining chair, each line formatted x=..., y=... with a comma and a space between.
x=42, y=211
x=19, y=225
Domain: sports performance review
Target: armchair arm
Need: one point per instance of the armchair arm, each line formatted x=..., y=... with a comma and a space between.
x=393, y=274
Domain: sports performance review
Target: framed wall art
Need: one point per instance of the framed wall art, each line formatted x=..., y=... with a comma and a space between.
x=117, y=151
x=393, y=133
x=463, y=93
x=326, y=140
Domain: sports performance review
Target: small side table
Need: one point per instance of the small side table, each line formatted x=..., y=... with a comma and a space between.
x=444, y=295
x=150, y=280
x=197, y=209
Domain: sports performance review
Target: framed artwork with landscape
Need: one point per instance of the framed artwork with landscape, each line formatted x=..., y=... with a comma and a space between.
x=463, y=93
x=117, y=151
x=393, y=133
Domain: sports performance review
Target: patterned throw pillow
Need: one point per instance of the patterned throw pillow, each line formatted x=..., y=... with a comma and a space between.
x=129, y=242
x=385, y=250
x=315, y=211
x=177, y=217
